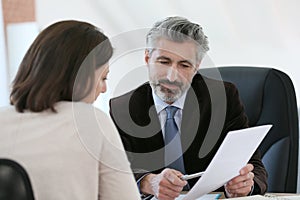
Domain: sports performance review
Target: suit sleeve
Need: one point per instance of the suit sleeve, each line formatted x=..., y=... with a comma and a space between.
x=115, y=104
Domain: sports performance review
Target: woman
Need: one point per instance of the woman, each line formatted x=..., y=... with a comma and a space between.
x=70, y=149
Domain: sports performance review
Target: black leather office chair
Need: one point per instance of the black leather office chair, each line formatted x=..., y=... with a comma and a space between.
x=14, y=182
x=269, y=98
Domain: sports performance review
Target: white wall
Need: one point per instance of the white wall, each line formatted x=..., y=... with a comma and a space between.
x=4, y=100
x=17, y=44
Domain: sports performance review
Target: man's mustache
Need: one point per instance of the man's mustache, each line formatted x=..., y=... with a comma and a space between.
x=176, y=83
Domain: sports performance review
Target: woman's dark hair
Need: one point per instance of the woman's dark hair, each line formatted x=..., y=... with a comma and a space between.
x=60, y=66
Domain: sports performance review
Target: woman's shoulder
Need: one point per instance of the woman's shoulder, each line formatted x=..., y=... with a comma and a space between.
x=7, y=112
x=7, y=109
x=78, y=107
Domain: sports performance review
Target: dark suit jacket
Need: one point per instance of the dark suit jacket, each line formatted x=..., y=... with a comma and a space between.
x=212, y=108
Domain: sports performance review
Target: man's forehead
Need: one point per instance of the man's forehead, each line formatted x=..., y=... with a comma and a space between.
x=184, y=50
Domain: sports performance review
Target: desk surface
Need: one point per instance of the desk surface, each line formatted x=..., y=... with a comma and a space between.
x=269, y=196
x=274, y=196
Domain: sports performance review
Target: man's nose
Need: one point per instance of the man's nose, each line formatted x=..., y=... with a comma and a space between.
x=172, y=73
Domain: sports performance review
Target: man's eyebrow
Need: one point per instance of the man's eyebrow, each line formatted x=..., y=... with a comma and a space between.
x=169, y=59
x=186, y=61
x=162, y=58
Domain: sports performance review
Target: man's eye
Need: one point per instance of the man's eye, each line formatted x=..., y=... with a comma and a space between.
x=185, y=66
x=163, y=62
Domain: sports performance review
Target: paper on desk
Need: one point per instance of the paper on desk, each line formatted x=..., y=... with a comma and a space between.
x=204, y=197
x=233, y=154
x=273, y=197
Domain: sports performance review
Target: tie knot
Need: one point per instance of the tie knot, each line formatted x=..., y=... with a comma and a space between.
x=171, y=110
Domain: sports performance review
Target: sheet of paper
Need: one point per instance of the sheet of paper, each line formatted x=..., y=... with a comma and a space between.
x=233, y=154
x=267, y=197
x=254, y=197
x=204, y=197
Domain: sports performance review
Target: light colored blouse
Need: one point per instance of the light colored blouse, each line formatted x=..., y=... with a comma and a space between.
x=75, y=153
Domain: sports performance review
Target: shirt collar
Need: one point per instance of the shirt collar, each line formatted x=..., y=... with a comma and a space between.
x=161, y=105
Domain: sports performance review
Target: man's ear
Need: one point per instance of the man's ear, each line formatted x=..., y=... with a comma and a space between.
x=198, y=65
x=147, y=56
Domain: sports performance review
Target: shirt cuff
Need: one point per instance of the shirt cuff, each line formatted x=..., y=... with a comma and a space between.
x=143, y=196
x=252, y=189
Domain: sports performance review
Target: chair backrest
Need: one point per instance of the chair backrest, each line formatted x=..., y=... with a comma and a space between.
x=14, y=181
x=269, y=98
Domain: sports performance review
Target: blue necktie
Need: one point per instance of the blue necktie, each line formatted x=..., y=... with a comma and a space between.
x=173, y=149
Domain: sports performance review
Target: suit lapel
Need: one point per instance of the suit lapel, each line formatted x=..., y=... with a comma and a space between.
x=143, y=113
x=190, y=119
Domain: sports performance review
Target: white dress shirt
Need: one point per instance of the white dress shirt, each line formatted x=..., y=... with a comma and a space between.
x=160, y=106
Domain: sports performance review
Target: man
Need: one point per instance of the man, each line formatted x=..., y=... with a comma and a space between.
x=178, y=101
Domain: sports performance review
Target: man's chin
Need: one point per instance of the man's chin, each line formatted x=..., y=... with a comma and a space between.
x=167, y=96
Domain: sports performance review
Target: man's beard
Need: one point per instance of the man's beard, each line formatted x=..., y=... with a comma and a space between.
x=166, y=94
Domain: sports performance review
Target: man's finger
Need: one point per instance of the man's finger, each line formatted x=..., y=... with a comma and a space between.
x=174, y=178
x=248, y=168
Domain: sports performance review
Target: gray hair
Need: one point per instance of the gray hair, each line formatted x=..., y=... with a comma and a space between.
x=178, y=29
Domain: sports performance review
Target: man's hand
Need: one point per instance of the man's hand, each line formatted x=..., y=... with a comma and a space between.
x=241, y=185
x=164, y=186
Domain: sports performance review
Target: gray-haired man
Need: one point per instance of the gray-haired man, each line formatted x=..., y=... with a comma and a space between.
x=203, y=106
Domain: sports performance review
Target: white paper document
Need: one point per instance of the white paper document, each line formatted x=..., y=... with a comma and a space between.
x=204, y=197
x=233, y=154
x=268, y=197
